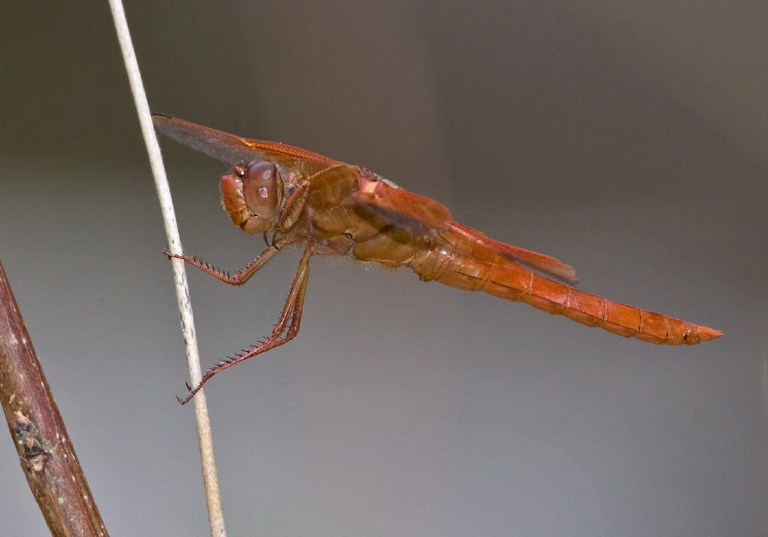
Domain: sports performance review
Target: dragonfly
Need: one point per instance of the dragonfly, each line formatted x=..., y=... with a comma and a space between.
x=292, y=196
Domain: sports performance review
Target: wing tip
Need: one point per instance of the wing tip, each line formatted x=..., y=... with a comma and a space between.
x=566, y=273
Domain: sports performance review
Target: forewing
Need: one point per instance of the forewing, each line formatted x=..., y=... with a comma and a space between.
x=226, y=147
x=535, y=260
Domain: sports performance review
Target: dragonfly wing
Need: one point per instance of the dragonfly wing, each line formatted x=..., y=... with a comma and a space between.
x=535, y=260
x=421, y=214
x=228, y=148
x=400, y=207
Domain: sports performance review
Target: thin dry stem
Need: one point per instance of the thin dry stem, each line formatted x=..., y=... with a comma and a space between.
x=205, y=438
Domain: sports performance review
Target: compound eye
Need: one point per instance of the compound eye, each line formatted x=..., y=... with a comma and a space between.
x=260, y=188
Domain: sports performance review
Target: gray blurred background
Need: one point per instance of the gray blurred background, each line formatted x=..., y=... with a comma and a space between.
x=627, y=139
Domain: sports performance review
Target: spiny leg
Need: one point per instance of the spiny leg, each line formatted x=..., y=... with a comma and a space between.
x=242, y=275
x=290, y=320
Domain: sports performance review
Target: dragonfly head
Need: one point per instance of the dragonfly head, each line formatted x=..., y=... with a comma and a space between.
x=252, y=196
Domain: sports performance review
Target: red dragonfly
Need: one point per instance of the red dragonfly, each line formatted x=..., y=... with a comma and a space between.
x=291, y=195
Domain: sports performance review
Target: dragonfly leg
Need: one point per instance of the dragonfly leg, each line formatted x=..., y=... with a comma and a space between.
x=242, y=275
x=294, y=205
x=286, y=328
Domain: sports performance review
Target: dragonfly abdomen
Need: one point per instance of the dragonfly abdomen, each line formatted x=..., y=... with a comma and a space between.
x=499, y=276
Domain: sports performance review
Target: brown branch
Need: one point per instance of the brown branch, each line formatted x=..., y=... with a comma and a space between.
x=46, y=453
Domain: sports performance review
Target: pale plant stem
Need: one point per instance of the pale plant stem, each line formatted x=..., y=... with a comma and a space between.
x=204, y=435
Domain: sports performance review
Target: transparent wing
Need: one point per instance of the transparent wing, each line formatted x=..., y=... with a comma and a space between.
x=228, y=148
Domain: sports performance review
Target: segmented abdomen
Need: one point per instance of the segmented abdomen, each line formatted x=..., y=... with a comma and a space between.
x=488, y=271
